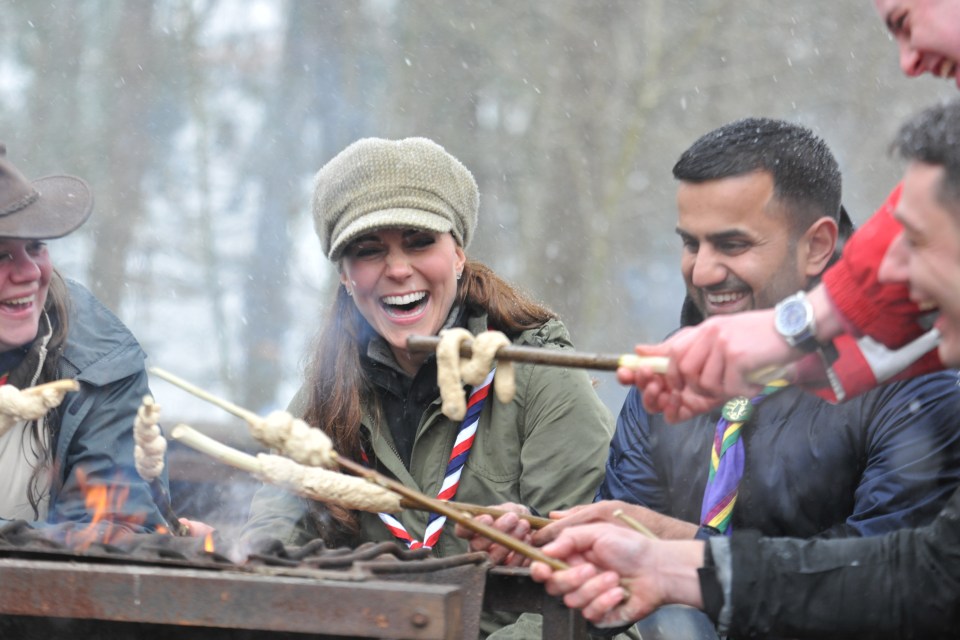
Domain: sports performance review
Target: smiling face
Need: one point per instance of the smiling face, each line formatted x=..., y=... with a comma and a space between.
x=737, y=253
x=404, y=282
x=25, y=271
x=927, y=253
x=927, y=33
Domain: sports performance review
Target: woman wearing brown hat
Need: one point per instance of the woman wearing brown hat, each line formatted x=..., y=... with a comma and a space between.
x=52, y=328
x=396, y=218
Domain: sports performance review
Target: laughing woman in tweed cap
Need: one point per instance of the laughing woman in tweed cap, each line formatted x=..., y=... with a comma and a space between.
x=396, y=217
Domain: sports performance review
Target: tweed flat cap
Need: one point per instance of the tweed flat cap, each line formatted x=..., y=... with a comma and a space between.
x=376, y=184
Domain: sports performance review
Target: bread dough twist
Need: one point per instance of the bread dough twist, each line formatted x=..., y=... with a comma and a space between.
x=149, y=443
x=28, y=404
x=453, y=371
x=327, y=486
x=295, y=439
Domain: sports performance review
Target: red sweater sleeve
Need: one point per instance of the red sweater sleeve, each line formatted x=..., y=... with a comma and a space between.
x=860, y=367
x=882, y=311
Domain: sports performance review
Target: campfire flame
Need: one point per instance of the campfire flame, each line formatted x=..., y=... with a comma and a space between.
x=109, y=522
x=208, y=543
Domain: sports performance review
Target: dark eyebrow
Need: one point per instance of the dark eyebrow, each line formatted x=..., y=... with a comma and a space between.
x=715, y=238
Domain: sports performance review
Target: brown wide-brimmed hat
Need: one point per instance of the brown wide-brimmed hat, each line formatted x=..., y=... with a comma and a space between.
x=49, y=207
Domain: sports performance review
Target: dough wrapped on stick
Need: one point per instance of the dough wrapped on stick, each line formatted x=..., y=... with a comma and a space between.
x=453, y=370
x=32, y=403
x=316, y=483
x=280, y=431
x=148, y=452
x=149, y=443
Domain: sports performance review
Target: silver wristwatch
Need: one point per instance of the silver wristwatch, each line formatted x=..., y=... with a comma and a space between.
x=793, y=319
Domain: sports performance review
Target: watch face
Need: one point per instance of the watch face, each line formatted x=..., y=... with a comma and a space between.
x=793, y=317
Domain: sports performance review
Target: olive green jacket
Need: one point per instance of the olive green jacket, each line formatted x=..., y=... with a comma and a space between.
x=546, y=449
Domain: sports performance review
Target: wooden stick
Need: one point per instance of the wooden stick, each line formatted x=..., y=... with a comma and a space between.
x=226, y=405
x=634, y=524
x=449, y=510
x=537, y=355
x=536, y=522
x=162, y=499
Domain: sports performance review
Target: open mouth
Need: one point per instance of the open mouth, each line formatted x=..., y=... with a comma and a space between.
x=724, y=299
x=408, y=304
x=18, y=304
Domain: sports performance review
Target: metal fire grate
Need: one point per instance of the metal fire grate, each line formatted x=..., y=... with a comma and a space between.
x=142, y=586
x=152, y=587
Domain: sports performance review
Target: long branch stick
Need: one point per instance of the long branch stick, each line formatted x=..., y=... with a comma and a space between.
x=246, y=462
x=634, y=524
x=226, y=405
x=536, y=355
x=536, y=522
x=447, y=509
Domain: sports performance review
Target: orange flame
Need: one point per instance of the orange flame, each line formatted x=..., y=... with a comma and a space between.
x=208, y=543
x=109, y=522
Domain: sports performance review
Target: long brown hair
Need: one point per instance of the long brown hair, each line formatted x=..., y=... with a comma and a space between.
x=338, y=388
x=43, y=432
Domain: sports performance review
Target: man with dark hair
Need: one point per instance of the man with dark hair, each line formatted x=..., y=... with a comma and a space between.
x=903, y=584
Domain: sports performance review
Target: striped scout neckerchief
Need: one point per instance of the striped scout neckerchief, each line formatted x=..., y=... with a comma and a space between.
x=727, y=458
x=451, y=480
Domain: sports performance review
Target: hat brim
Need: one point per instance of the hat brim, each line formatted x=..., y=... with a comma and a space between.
x=64, y=204
x=402, y=218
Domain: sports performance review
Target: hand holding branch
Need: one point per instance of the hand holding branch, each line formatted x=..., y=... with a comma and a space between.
x=617, y=576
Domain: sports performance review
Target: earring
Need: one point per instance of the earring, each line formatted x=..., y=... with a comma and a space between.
x=348, y=290
x=459, y=274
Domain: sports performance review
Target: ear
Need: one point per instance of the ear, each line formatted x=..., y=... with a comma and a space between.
x=817, y=245
x=461, y=259
x=344, y=280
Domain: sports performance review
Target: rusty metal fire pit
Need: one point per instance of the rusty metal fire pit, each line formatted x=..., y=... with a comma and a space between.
x=152, y=586
x=155, y=583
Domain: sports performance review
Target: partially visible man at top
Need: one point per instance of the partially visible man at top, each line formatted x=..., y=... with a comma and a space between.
x=927, y=33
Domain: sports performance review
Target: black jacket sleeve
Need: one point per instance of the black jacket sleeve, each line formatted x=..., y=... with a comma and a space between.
x=905, y=584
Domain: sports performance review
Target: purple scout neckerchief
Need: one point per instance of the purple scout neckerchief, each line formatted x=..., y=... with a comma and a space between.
x=727, y=460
